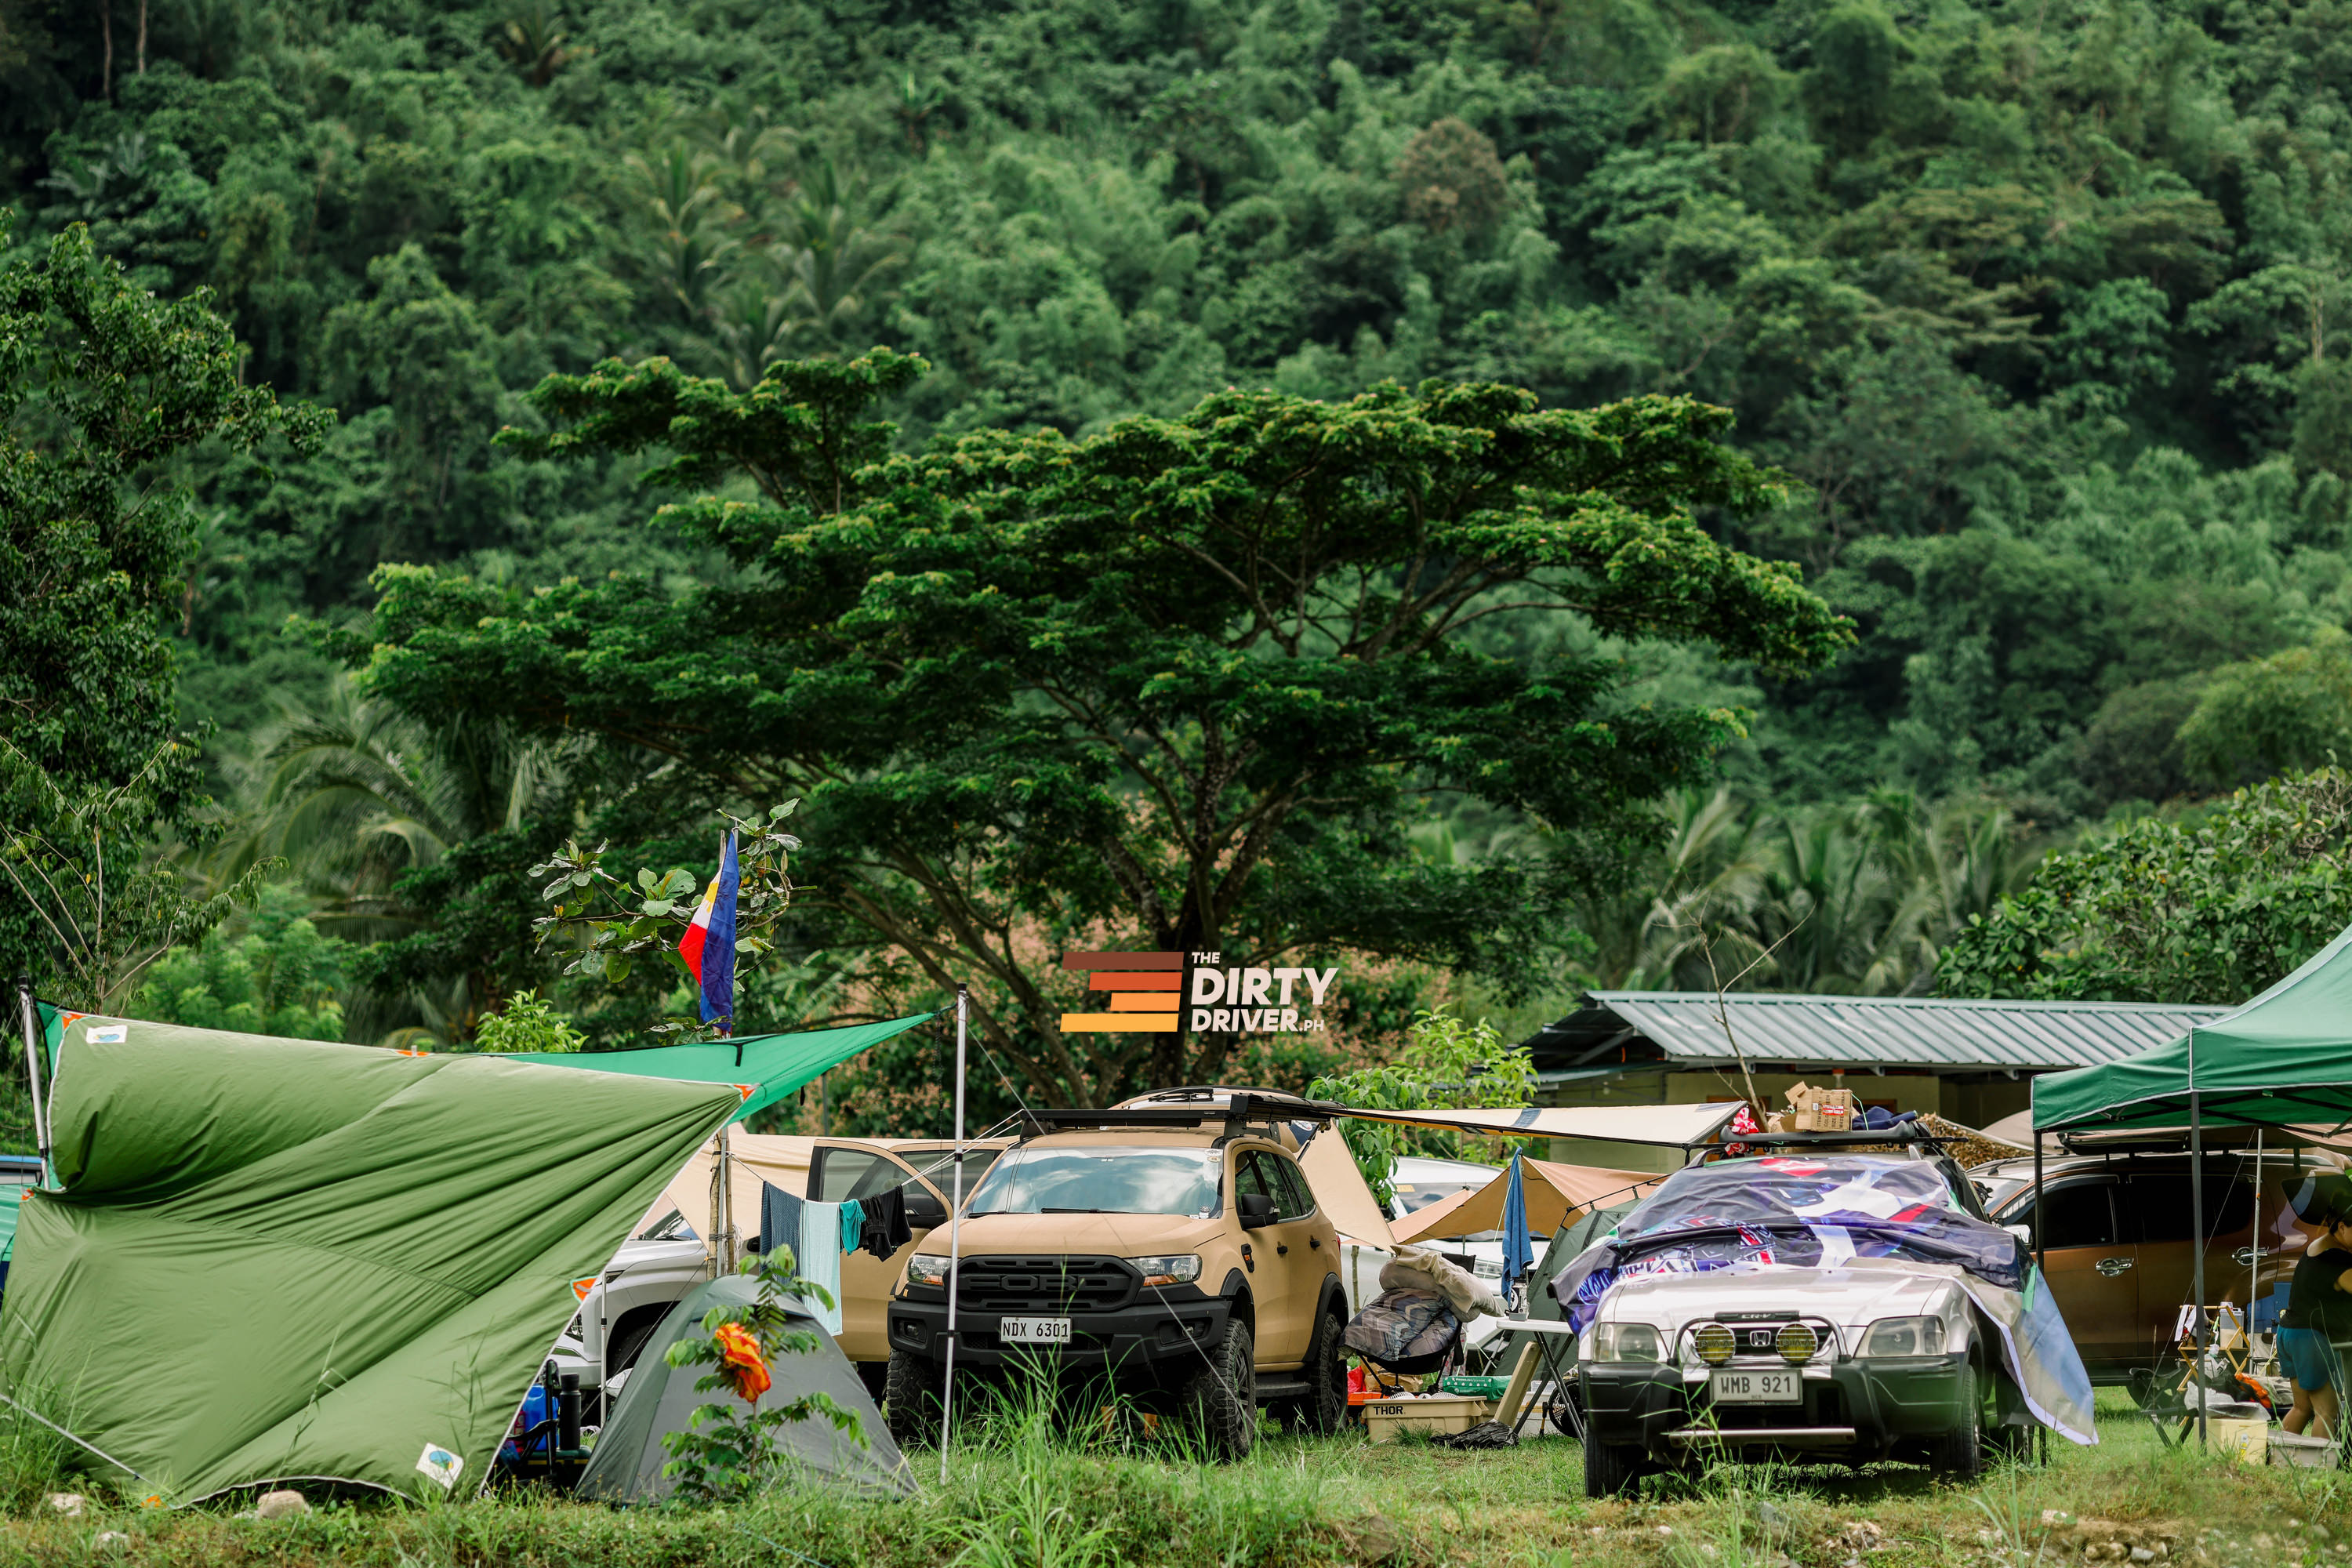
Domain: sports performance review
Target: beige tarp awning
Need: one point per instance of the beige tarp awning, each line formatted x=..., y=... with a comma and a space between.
x=1555, y=1194
x=1671, y=1126
x=1340, y=1192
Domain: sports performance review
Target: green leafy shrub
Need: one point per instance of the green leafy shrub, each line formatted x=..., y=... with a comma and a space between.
x=527, y=1023
x=1448, y=1063
x=2209, y=910
x=728, y=1454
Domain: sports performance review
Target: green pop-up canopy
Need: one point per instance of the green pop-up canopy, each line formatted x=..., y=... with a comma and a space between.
x=760, y=1068
x=2283, y=1060
x=271, y=1260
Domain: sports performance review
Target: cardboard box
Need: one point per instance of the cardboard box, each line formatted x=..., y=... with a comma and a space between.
x=1385, y=1419
x=1821, y=1110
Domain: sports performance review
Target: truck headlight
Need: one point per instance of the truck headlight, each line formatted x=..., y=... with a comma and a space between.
x=1627, y=1342
x=1714, y=1343
x=1905, y=1336
x=1169, y=1269
x=927, y=1268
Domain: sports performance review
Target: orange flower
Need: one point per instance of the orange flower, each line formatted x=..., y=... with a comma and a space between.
x=740, y=1361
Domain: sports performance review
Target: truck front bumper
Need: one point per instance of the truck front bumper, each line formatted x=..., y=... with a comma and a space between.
x=1853, y=1409
x=1179, y=1323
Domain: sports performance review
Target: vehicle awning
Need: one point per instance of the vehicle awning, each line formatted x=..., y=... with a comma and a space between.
x=2283, y=1060
x=1669, y=1126
x=1556, y=1194
x=761, y=1068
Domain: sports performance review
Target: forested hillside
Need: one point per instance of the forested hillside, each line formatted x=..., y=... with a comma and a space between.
x=2041, y=309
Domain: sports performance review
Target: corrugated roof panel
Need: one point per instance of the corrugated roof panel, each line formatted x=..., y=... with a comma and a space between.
x=1899, y=1031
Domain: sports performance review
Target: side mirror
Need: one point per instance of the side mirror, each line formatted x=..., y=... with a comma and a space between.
x=1257, y=1210
x=924, y=1210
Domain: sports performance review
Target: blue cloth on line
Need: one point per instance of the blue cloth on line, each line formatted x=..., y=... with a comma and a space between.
x=780, y=1219
x=853, y=1225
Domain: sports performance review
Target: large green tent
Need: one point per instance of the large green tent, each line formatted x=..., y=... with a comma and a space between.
x=760, y=1068
x=268, y=1259
x=2283, y=1060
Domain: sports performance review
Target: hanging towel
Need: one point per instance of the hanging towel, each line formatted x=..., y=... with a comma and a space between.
x=780, y=1219
x=885, y=1224
x=819, y=1260
x=853, y=1225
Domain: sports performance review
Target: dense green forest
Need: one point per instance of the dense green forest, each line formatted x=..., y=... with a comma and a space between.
x=2030, y=318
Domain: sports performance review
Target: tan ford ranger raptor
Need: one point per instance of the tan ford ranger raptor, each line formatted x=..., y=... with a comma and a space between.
x=1176, y=1252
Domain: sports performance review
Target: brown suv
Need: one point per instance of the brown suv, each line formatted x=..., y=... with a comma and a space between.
x=2121, y=1240
x=1178, y=1251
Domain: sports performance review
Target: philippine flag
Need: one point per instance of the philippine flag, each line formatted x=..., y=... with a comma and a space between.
x=708, y=945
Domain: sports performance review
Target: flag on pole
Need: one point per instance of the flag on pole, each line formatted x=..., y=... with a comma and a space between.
x=709, y=944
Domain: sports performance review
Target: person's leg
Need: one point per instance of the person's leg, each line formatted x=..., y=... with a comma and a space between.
x=2299, y=1418
x=2323, y=1407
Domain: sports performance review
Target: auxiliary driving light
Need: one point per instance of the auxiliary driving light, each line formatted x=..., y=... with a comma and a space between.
x=1714, y=1343
x=1797, y=1343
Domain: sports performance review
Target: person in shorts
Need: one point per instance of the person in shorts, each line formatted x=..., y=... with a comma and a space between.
x=2318, y=1304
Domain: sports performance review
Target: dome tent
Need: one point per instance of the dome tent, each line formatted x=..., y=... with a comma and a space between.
x=661, y=1399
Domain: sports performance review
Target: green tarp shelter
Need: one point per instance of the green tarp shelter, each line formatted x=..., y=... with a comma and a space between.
x=2283, y=1060
x=271, y=1259
x=760, y=1068
x=661, y=1398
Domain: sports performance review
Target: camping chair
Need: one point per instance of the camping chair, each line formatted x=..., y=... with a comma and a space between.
x=2167, y=1395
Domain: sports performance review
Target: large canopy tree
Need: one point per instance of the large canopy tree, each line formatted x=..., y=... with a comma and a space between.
x=1186, y=684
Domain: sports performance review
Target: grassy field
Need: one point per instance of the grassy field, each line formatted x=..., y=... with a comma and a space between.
x=1025, y=1496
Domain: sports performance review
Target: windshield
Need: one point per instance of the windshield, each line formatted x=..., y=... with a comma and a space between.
x=1998, y=1190
x=1102, y=1181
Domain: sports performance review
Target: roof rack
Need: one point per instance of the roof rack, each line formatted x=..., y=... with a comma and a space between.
x=1238, y=1109
x=1907, y=1132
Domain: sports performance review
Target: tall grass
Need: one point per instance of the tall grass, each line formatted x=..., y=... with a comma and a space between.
x=35, y=1461
x=1040, y=1479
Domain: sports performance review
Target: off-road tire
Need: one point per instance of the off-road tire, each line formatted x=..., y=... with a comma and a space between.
x=1610, y=1470
x=1220, y=1398
x=1323, y=1408
x=1959, y=1453
x=911, y=1399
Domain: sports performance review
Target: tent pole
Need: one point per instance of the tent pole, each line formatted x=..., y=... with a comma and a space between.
x=2041, y=1280
x=955, y=1232
x=2254, y=1249
x=727, y=1198
x=2197, y=1221
x=33, y=1070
